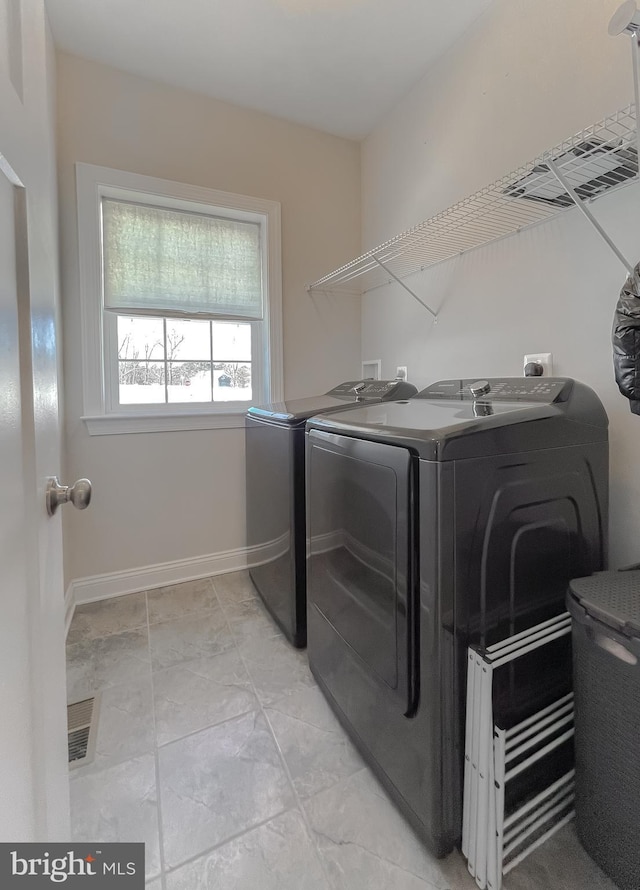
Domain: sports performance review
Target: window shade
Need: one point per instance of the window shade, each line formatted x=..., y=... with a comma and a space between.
x=162, y=261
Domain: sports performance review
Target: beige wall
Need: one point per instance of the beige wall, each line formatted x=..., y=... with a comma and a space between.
x=171, y=496
x=527, y=76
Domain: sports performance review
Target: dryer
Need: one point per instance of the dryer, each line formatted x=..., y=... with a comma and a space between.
x=455, y=517
x=275, y=495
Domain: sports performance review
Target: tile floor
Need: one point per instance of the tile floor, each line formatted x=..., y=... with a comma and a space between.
x=216, y=748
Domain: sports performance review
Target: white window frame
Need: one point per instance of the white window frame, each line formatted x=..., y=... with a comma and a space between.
x=93, y=183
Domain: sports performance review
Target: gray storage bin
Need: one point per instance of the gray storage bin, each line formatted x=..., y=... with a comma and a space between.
x=605, y=611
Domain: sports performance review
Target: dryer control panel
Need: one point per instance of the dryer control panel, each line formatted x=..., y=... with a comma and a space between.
x=508, y=389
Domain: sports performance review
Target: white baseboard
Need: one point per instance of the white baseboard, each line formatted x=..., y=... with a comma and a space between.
x=100, y=587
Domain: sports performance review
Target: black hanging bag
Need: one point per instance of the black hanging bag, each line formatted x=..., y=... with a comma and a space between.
x=626, y=340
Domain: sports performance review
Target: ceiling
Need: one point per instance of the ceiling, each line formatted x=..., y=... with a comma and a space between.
x=337, y=65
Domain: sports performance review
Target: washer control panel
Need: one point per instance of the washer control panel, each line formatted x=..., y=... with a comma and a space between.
x=508, y=389
x=372, y=389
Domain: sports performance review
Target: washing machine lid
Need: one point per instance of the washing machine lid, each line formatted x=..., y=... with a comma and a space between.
x=345, y=395
x=455, y=419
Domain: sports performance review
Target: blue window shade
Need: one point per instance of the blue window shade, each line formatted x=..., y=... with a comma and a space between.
x=161, y=261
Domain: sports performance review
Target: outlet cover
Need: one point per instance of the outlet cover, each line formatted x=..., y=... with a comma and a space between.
x=401, y=372
x=542, y=358
x=372, y=369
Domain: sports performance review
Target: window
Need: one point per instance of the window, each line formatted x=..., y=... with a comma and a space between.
x=181, y=303
x=163, y=361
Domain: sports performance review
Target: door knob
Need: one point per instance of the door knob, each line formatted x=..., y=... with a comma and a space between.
x=79, y=494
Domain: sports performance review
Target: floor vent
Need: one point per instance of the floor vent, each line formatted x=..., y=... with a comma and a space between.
x=82, y=720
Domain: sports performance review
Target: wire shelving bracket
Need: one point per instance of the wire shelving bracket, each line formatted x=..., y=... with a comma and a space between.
x=405, y=286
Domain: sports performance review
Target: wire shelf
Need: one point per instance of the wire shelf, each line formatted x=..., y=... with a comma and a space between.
x=600, y=158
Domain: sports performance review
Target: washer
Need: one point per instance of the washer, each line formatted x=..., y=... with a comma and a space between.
x=456, y=517
x=275, y=473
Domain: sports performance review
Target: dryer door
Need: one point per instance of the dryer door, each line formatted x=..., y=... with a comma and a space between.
x=360, y=572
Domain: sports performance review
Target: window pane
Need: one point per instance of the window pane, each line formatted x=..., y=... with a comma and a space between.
x=189, y=381
x=140, y=338
x=231, y=342
x=188, y=367
x=232, y=382
x=188, y=339
x=141, y=383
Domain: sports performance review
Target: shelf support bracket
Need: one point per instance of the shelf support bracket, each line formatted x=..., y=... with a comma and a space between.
x=408, y=289
x=581, y=205
x=626, y=20
x=636, y=84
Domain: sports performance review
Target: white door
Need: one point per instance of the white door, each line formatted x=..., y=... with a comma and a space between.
x=33, y=775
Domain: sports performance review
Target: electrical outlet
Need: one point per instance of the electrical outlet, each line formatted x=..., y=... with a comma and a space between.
x=541, y=358
x=401, y=372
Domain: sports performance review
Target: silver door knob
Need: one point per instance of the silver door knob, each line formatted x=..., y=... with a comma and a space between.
x=79, y=494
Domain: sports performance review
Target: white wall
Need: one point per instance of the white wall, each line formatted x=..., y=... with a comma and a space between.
x=526, y=77
x=172, y=496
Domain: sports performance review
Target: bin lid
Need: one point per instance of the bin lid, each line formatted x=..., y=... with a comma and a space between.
x=611, y=597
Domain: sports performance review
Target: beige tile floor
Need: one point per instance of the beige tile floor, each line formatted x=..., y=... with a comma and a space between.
x=216, y=748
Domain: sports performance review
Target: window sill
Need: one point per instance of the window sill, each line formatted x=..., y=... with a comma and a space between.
x=118, y=424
